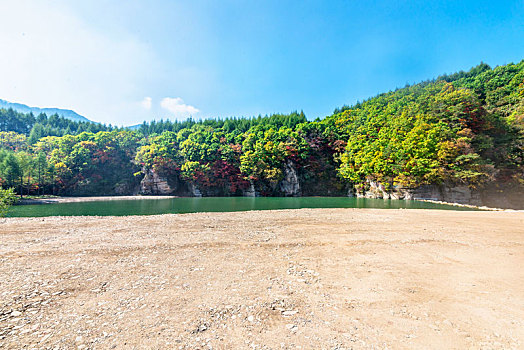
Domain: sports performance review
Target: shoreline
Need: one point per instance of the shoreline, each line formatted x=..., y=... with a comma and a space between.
x=467, y=205
x=56, y=200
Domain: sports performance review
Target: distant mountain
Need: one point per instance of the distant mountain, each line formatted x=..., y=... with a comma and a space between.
x=66, y=113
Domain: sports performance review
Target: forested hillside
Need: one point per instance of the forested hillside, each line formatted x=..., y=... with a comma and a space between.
x=43, y=125
x=459, y=130
x=466, y=128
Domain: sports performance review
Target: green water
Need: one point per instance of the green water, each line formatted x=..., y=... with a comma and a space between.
x=211, y=204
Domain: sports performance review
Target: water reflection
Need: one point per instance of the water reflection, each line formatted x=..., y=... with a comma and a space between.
x=213, y=204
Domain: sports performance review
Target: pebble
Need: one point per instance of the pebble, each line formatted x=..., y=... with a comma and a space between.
x=289, y=313
x=291, y=327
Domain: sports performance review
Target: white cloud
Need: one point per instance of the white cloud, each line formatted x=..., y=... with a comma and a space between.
x=177, y=106
x=146, y=102
x=51, y=57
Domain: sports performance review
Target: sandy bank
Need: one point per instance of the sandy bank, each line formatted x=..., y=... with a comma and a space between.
x=315, y=278
x=87, y=199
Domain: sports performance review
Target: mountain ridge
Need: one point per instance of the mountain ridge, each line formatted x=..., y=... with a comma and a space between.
x=22, y=108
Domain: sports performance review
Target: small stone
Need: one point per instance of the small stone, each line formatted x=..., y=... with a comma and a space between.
x=289, y=313
x=15, y=313
x=291, y=327
x=250, y=318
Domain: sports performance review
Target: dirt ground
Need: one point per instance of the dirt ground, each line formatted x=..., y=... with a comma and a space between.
x=292, y=279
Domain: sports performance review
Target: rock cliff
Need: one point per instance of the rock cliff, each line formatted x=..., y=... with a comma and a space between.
x=444, y=193
x=250, y=191
x=290, y=185
x=155, y=184
x=494, y=195
x=194, y=191
x=497, y=195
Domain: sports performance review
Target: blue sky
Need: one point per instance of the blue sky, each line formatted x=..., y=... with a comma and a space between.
x=122, y=62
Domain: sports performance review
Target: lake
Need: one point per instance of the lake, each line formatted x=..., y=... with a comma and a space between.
x=212, y=204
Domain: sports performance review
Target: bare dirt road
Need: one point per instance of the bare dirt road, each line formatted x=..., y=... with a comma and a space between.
x=309, y=278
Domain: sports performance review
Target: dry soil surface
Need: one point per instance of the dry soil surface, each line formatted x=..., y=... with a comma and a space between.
x=310, y=279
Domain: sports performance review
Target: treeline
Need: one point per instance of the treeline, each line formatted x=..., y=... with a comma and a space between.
x=465, y=128
x=42, y=125
x=229, y=124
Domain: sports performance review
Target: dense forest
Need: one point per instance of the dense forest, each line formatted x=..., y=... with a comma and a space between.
x=464, y=129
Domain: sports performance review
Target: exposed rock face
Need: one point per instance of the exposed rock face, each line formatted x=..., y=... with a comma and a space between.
x=122, y=189
x=154, y=184
x=452, y=194
x=499, y=195
x=194, y=191
x=250, y=191
x=290, y=185
x=374, y=190
x=503, y=195
x=455, y=194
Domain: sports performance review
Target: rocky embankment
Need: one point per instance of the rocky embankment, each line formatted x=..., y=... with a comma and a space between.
x=494, y=196
x=154, y=183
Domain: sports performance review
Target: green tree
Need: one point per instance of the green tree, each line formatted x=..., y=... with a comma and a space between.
x=37, y=132
x=7, y=199
x=10, y=170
